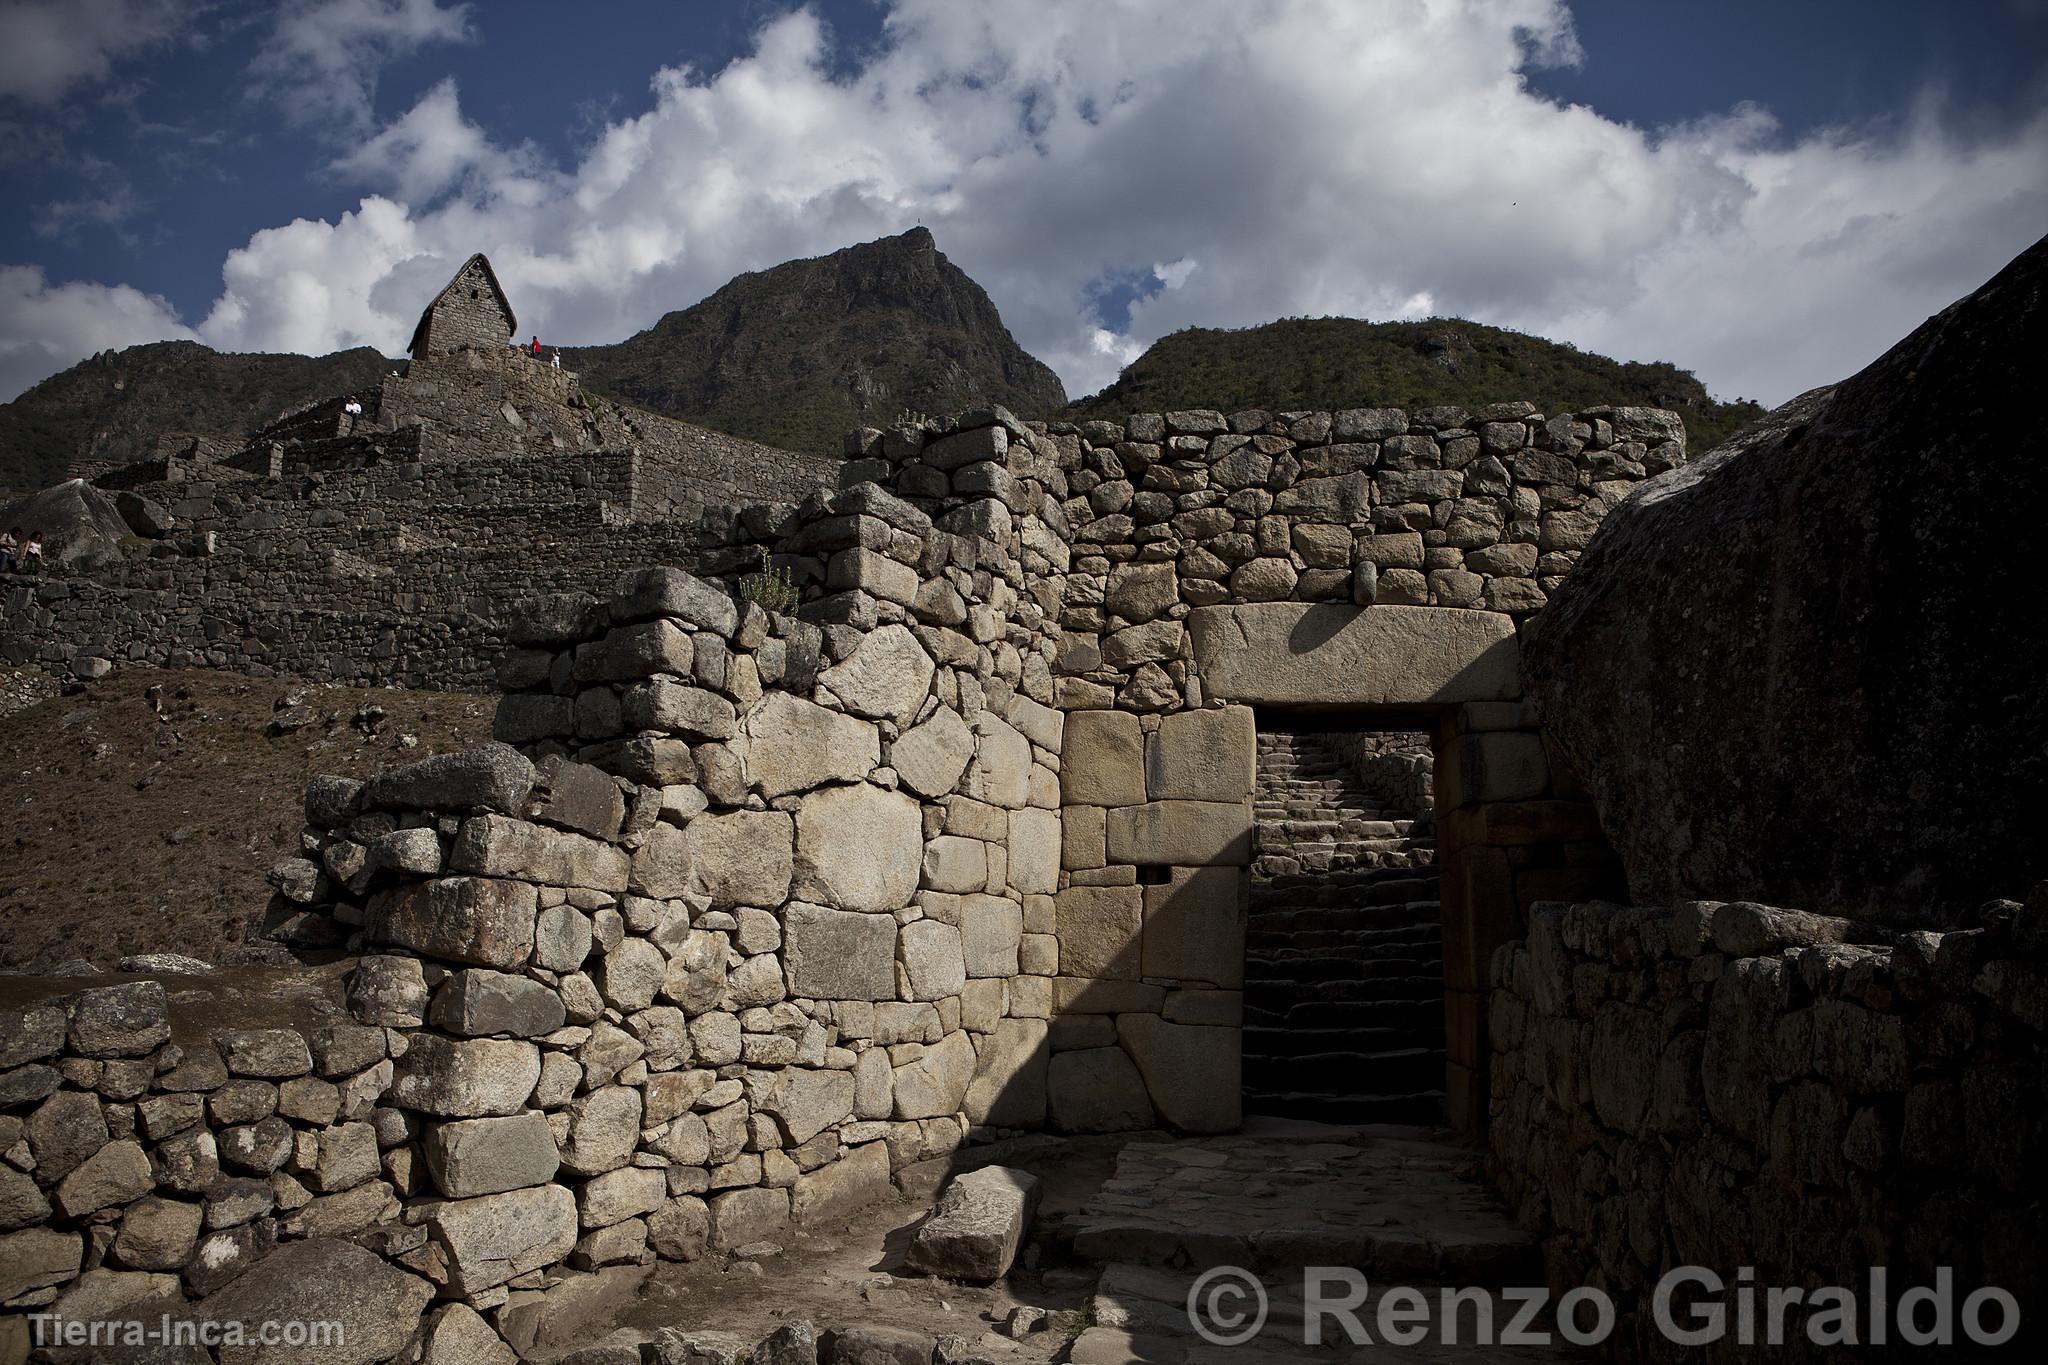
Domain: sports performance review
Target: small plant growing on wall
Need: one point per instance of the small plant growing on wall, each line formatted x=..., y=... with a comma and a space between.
x=772, y=589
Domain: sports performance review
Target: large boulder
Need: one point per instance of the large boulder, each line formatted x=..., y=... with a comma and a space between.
x=1800, y=670
x=80, y=527
x=377, y=1306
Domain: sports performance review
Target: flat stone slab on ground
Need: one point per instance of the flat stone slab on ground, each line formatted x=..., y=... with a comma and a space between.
x=1388, y=1201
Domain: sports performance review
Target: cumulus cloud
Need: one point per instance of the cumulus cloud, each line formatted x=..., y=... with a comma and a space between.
x=49, y=327
x=1237, y=161
x=424, y=152
x=50, y=47
x=322, y=58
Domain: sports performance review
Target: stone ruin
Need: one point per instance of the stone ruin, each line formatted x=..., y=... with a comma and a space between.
x=384, y=549
x=747, y=913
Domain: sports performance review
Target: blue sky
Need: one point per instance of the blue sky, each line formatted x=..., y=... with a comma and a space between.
x=1768, y=194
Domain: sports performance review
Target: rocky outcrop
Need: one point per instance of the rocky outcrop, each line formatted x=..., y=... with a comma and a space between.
x=1802, y=669
x=80, y=527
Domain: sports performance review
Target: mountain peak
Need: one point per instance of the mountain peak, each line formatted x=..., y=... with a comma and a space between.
x=799, y=354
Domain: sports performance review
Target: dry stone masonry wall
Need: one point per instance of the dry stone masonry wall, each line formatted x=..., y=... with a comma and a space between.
x=392, y=551
x=1727, y=1085
x=749, y=910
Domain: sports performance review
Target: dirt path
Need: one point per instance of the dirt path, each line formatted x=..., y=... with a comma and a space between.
x=142, y=812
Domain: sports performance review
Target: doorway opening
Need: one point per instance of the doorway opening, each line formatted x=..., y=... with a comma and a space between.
x=1344, y=970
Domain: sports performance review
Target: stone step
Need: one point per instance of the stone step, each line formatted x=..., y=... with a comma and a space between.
x=1425, y=1013
x=1421, y=1107
x=1344, y=1073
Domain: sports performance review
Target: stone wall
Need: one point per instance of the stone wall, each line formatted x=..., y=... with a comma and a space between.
x=1175, y=513
x=763, y=906
x=1728, y=1085
x=770, y=918
x=1393, y=766
x=391, y=551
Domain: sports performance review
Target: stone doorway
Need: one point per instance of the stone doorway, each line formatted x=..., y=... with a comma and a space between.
x=1344, y=969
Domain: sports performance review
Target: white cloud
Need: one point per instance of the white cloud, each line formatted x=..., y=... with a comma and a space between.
x=50, y=47
x=426, y=151
x=1314, y=156
x=322, y=58
x=47, y=328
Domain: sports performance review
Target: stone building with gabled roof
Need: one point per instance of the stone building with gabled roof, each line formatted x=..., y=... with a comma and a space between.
x=471, y=312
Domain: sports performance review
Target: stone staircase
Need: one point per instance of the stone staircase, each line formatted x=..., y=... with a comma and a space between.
x=1344, y=949
x=1314, y=814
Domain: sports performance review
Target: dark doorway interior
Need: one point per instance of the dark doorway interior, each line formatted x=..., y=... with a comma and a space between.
x=1344, y=979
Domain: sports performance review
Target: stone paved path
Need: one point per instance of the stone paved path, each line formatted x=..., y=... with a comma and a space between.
x=1390, y=1203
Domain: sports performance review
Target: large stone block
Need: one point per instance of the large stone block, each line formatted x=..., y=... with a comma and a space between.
x=665, y=591
x=128, y=1020
x=932, y=959
x=477, y=920
x=473, y=1157
x=1195, y=926
x=117, y=1173
x=579, y=797
x=887, y=677
x=955, y=864
x=1142, y=592
x=936, y=1083
x=858, y=1179
x=36, y=1257
x=1096, y=1090
x=1181, y=833
x=1292, y=653
x=487, y=777
x=1034, y=851
x=604, y=1127
x=1100, y=930
x=991, y=930
x=742, y=1216
x=1193, y=1073
x=499, y=846
x=374, y=1306
x=979, y=1224
x=695, y=713
x=1103, y=763
x=741, y=857
x=1207, y=755
x=1008, y=1090
x=931, y=757
x=858, y=848
x=794, y=745
x=1505, y=766
x=1000, y=773
x=477, y=1002
x=840, y=954
x=806, y=1101
x=465, y=1078
x=496, y=1237
x=616, y=1195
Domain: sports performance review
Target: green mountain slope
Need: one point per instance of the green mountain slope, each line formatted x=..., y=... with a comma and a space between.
x=1348, y=363
x=798, y=355
x=116, y=404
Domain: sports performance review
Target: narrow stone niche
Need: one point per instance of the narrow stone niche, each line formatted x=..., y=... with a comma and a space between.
x=1344, y=977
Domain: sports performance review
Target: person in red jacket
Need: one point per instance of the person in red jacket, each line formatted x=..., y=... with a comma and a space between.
x=535, y=348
